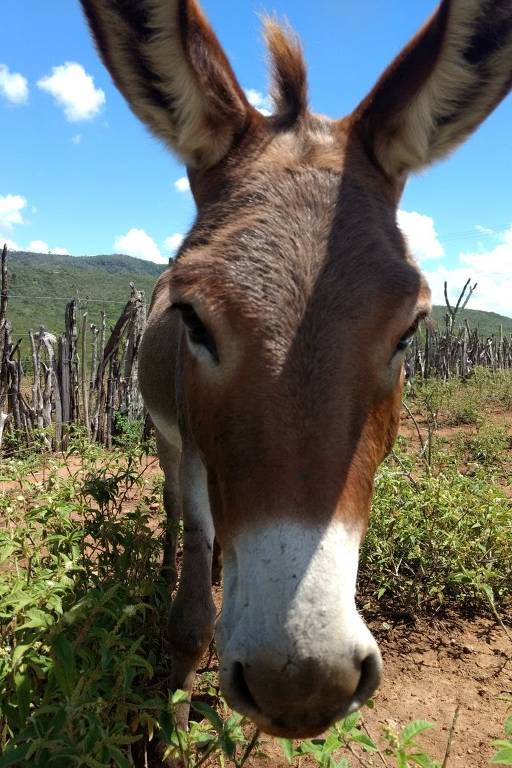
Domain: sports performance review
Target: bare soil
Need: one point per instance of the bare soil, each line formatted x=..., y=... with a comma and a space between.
x=430, y=671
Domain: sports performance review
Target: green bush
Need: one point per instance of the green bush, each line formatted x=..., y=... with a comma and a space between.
x=487, y=447
x=82, y=606
x=437, y=540
x=459, y=402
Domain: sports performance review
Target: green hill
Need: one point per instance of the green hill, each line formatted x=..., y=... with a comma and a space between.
x=41, y=284
x=487, y=323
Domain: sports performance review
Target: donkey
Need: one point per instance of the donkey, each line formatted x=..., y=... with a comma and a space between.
x=272, y=362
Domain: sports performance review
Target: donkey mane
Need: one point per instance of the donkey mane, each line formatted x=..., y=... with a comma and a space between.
x=288, y=69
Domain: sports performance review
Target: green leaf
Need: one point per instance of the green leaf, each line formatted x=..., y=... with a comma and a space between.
x=117, y=756
x=288, y=749
x=343, y=763
x=13, y=756
x=412, y=730
x=210, y=714
x=6, y=550
x=23, y=686
x=228, y=746
x=424, y=761
x=508, y=726
x=64, y=651
x=37, y=619
x=331, y=743
x=488, y=591
x=364, y=740
x=309, y=747
x=503, y=757
x=180, y=697
x=350, y=722
x=18, y=653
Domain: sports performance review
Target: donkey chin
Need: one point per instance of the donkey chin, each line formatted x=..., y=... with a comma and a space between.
x=295, y=653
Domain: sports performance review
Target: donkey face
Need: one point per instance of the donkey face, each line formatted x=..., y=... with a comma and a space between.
x=297, y=299
x=298, y=318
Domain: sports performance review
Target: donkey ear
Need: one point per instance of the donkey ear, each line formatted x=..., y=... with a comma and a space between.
x=441, y=87
x=167, y=62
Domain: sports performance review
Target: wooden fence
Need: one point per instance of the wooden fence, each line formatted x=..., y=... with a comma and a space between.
x=82, y=377
x=446, y=354
x=85, y=376
x=458, y=349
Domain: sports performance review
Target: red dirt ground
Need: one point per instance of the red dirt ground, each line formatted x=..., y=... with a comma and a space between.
x=430, y=669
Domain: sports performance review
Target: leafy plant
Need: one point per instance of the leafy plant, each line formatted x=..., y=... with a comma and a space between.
x=503, y=756
x=351, y=736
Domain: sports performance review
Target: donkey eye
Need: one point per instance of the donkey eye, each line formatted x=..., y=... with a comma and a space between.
x=197, y=332
x=407, y=338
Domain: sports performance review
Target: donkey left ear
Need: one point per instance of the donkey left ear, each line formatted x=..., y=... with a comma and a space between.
x=441, y=87
x=167, y=62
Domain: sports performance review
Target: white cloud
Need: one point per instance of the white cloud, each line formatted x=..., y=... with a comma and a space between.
x=420, y=232
x=486, y=231
x=136, y=242
x=13, y=86
x=12, y=245
x=77, y=138
x=35, y=246
x=491, y=270
x=259, y=100
x=182, y=184
x=74, y=90
x=39, y=246
x=173, y=242
x=11, y=207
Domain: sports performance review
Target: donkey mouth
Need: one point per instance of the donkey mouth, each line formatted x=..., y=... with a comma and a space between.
x=296, y=721
x=239, y=695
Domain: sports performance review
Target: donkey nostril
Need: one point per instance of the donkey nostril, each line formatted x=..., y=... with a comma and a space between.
x=371, y=668
x=240, y=689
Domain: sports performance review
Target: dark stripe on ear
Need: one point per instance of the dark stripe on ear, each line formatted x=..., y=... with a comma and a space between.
x=135, y=13
x=491, y=34
x=465, y=104
x=133, y=20
x=407, y=74
x=210, y=64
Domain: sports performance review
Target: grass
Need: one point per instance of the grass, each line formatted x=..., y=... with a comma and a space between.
x=82, y=631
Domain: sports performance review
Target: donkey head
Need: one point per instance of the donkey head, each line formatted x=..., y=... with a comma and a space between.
x=298, y=299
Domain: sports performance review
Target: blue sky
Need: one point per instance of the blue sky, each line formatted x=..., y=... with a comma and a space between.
x=79, y=173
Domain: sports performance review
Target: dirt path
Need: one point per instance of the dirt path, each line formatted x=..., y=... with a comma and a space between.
x=429, y=670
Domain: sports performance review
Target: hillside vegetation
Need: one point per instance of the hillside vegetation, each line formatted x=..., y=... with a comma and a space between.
x=41, y=284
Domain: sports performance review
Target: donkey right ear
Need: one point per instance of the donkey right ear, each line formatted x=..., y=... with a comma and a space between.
x=167, y=62
x=441, y=87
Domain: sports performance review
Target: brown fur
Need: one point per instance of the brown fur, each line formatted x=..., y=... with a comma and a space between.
x=296, y=267
x=289, y=79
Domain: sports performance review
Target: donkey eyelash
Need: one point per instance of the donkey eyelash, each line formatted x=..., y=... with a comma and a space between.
x=406, y=340
x=196, y=329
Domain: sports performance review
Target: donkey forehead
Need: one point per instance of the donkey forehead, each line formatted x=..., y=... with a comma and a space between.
x=306, y=228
